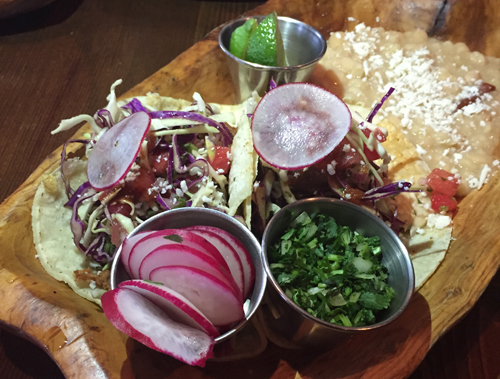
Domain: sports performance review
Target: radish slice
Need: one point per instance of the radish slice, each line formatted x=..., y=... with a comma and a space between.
x=127, y=246
x=176, y=306
x=220, y=303
x=115, y=152
x=229, y=254
x=157, y=239
x=241, y=250
x=140, y=319
x=298, y=124
x=180, y=255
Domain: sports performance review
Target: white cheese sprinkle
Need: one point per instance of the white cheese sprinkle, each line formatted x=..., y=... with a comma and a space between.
x=438, y=221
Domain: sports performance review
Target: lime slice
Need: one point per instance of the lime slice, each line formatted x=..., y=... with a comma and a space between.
x=240, y=37
x=265, y=45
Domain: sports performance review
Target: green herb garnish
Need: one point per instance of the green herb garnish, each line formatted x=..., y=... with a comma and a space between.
x=174, y=237
x=330, y=271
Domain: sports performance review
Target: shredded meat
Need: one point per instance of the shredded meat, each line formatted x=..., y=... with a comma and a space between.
x=85, y=276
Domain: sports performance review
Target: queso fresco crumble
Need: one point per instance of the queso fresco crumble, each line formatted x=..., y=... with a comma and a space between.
x=445, y=99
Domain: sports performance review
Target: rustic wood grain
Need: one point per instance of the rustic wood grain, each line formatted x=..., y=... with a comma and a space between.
x=76, y=333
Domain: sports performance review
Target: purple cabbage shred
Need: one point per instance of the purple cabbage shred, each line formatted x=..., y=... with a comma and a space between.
x=388, y=190
x=377, y=107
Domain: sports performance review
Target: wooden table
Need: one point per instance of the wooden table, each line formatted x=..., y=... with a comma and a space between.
x=60, y=61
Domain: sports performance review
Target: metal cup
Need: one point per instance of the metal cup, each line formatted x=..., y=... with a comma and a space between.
x=299, y=327
x=185, y=217
x=304, y=47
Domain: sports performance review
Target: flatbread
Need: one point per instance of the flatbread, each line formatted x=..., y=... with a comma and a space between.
x=52, y=234
x=243, y=173
x=51, y=229
x=427, y=245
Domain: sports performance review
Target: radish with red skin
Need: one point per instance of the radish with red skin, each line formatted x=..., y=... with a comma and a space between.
x=181, y=255
x=127, y=246
x=176, y=306
x=297, y=124
x=241, y=250
x=228, y=253
x=116, y=151
x=156, y=239
x=220, y=303
x=140, y=319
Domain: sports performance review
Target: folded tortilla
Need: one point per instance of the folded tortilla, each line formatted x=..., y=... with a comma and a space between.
x=427, y=245
x=52, y=234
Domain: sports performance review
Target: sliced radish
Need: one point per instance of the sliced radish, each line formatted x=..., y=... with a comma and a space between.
x=181, y=255
x=229, y=254
x=115, y=152
x=241, y=250
x=220, y=303
x=127, y=246
x=298, y=124
x=176, y=306
x=140, y=319
x=170, y=236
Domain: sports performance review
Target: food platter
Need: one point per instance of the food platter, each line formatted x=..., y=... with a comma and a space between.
x=79, y=337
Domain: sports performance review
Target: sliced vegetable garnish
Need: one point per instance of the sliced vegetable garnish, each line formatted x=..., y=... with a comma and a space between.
x=296, y=125
x=389, y=190
x=115, y=152
x=177, y=307
x=140, y=319
x=377, y=107
x=265, y=44
x=240, y=37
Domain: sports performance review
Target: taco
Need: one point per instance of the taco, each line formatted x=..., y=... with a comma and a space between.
x=191, y=154
x=376, y=167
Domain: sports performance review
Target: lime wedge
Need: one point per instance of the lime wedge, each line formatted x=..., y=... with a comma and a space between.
x=265, y=45
x=240, y=37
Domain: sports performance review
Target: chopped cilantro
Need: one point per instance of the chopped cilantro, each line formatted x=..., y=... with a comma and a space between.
x=330, y=271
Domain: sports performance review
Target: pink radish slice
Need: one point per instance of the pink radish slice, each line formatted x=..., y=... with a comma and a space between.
x=241, y=250
x=220, y=303
x=176, y=306
x=115, y=152
x=229, y=254
x=140, y=319
x=156, y=239
x=180, y=255
x=298, y=124
x=127, y=246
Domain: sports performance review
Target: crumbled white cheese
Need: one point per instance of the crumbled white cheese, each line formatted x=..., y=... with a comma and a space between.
x=420, y=150
x=438, y=221
x=184, y=186
x=330, y=169
x=483, y=177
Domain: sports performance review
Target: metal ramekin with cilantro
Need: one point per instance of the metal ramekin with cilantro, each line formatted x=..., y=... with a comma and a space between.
x=331, y=271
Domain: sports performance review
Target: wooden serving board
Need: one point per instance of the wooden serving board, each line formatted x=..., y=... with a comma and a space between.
x=78, y=336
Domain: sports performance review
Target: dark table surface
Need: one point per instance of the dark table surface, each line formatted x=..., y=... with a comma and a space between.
x=59, y=61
